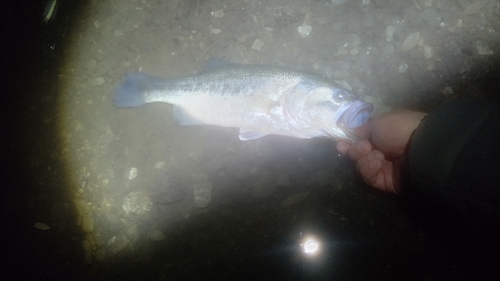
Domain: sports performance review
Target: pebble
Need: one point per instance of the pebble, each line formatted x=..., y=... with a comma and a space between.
x=118, y=33
x=217, y=14
x=215, y=31
x=41, y=226
x=483, y=48
x=160, y=164
x=137, y=202
x=389, y=32
x=428, y=52
x=304, y=30
x=100, y=81
x=402, y=67
x=202, y=194
x=132, y=174
x=257, y=45
x=411, y=41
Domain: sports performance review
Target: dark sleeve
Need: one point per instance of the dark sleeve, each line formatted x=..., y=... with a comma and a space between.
x=453, y=170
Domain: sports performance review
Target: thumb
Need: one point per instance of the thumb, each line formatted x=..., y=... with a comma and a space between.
x=363, y=132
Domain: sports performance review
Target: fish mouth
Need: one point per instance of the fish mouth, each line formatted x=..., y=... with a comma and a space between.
x=355, y=115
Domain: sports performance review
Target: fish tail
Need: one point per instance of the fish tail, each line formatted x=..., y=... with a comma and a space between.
x=133, y=90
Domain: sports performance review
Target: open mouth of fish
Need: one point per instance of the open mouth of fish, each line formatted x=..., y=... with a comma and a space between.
x=354, y=115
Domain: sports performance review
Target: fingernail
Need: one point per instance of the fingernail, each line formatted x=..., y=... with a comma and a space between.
x=376, y=155
x=375, y=164
x=361, y=147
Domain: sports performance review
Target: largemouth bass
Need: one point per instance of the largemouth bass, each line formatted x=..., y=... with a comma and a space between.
x=260, y=100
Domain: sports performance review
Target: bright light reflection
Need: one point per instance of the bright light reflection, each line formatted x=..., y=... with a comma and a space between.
x=310, y=246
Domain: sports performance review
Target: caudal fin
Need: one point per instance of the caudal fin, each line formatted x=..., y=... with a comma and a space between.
x=132, y=91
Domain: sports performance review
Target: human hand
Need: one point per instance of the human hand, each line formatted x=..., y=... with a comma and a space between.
x=379, y=154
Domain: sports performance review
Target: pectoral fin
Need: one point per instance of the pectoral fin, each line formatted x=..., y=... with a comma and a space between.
x=246, y=135
x=185, y=119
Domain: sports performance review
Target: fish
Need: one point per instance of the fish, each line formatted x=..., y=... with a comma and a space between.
x=260, y=100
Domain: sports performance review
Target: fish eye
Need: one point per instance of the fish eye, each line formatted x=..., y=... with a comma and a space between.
x=339, y=97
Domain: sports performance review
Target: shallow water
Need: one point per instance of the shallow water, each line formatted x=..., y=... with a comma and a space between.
x=127, y=193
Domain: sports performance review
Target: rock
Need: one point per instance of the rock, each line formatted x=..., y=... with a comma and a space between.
x=202, y=194
x=428, y=52
x=137, y=202
x=389, y=32
x=257, y=45
x=41, y=226
x=304, y=30
x=402, y=67
x=217, y=14
x=157, y=236
x=215, y=31
x=410, y=41
x=132, y=174
x=483, y=48
x=118, y=33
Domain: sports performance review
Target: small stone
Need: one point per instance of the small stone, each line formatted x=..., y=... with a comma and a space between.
x=157, y=236
x=41, y=226
x=160, y=164
x=96, y=24
x=100, y=81
x=428, y=3
x=338, y=2
x=483, y=48
x=257, y=45
x=202, y=194
x=217, y=14
x=344, y=84
x=137, y=202
x=132, y=173
x=402, y=67
x=366, y=2
x=428, y=52
x=304, y=30
x=214, y=31
x=448, y=91
x=389, y=32
x=410, y=41
x=118, y=33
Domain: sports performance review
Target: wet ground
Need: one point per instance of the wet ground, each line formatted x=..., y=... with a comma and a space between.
x=128, y=194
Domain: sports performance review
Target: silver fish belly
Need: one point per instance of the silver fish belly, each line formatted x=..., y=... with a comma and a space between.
x=260, y=100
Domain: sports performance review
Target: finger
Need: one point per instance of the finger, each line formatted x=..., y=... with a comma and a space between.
x=359, y=149
x=343, y=147
x=385, y=180
x=370, y=166
x=363, y=132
